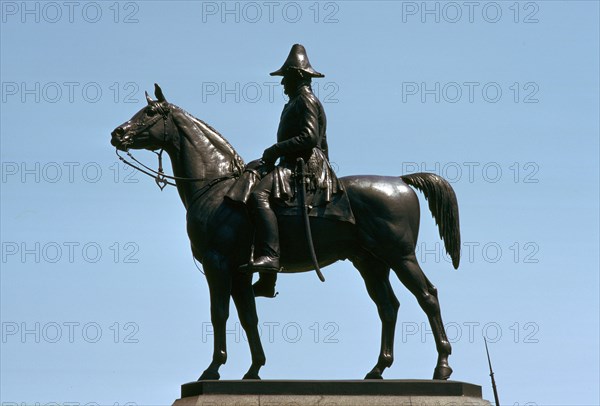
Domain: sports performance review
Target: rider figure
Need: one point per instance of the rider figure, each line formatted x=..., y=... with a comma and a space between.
x=301, y=134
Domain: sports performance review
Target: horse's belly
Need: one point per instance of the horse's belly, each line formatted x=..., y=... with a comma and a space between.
x=333, y=241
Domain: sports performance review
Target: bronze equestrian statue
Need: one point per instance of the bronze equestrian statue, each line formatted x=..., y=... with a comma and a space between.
x=381, y=236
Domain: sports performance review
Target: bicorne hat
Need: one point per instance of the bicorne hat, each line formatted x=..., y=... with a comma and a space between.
x=297, y=60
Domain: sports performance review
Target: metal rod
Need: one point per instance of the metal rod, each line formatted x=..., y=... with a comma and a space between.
x=491, y=374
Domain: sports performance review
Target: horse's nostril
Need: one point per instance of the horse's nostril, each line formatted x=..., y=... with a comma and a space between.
x=119, y=131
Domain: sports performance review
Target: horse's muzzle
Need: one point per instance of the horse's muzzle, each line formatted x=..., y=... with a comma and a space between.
x=117, y=139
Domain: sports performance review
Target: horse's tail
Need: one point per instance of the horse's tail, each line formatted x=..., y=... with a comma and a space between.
x=444, y=208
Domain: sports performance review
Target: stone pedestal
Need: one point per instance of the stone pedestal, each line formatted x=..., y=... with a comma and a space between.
x=331, y=393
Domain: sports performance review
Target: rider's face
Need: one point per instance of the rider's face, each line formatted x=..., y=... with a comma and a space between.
x=290, y=83
x=287, y=85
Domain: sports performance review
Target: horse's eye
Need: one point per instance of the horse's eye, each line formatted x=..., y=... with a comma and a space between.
x=150, y=112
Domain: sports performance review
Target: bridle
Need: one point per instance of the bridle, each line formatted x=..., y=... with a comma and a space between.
x=159, y=176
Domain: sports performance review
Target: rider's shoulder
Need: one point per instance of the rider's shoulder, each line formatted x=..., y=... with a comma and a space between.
x=307, y=98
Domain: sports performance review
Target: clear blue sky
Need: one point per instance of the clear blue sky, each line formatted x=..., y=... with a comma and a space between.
x=100, y=299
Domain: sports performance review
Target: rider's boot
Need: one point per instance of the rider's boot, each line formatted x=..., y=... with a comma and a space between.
x=266, y=243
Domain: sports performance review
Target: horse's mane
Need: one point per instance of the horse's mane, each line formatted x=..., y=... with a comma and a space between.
x=221, y=143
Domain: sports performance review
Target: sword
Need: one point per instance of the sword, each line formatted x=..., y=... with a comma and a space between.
x=302, y=176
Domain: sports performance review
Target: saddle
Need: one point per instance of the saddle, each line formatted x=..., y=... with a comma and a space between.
x=333, y=207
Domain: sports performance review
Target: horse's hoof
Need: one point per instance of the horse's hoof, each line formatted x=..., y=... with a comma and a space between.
x=442, y=372
x=209, y=376
x=252, y=375
x=374, y=375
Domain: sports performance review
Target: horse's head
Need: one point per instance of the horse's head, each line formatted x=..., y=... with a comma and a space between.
x=147, y=129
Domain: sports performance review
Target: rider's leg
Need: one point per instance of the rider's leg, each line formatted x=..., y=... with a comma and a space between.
x=266, y=248
x=266, y=241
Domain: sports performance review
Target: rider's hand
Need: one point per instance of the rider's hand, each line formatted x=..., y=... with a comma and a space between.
x=270, y=155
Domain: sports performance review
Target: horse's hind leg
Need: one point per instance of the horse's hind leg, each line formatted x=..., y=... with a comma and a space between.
x=410, y=274
x=376, y=276
x=243, y=297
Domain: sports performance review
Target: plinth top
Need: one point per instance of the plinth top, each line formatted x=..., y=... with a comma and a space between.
x=388, y=387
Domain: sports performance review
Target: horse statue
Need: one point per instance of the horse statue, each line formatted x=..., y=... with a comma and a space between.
x=383, y=237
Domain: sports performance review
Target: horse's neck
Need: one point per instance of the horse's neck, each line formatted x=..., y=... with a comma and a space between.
x=199, y=152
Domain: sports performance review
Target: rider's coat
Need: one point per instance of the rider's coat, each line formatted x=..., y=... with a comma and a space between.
x=302, y=134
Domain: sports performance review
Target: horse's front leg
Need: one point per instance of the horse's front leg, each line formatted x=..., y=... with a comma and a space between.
x=219, y=283
x=243, y=297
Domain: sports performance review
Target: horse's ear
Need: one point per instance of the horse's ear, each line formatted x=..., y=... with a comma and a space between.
x=148, y=98
x=158, y=93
